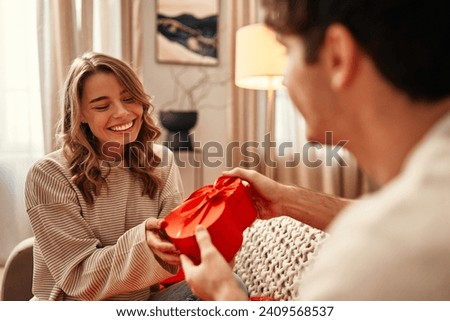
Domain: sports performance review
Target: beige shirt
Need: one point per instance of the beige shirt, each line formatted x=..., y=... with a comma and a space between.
x=395, y=244
x=99, y=251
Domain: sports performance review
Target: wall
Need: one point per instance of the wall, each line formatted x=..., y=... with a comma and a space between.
x=214, y=109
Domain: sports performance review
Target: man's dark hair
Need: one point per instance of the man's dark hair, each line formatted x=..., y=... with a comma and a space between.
x=408, y=40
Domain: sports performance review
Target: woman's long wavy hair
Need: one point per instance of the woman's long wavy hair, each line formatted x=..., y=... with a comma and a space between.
x=81, y=147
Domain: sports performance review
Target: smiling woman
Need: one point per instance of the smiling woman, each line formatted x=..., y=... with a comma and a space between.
x=101, y=215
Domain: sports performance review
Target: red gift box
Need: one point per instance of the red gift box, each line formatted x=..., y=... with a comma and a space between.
x=225, y=209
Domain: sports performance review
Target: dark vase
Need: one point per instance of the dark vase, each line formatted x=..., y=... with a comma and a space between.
x=178, y=125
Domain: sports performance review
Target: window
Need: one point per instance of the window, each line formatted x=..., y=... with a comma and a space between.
x=289, y=123
x=20, y=103
x=21, y=138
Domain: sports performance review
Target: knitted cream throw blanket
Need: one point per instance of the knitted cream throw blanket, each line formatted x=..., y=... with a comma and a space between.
x=273, y=256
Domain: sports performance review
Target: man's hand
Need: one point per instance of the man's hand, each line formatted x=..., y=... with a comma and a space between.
x=213, y=278
x=266, y=193
x=273, y=199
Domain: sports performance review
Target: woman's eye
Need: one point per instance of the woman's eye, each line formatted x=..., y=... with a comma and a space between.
x=100, y=108
x=129, y=100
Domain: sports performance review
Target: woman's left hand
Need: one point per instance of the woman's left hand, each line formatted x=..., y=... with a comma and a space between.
x=165, y=250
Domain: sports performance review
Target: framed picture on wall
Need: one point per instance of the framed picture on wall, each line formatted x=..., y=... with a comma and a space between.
x=186, y=32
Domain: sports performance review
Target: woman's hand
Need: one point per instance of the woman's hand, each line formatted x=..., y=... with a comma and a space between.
x=213, y=278
x=165, y=250
x=266, y=193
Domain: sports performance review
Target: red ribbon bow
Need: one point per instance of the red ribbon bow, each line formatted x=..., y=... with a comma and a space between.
x=215, y=207
x=201, y=201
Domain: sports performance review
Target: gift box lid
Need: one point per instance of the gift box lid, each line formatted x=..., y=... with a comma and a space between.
x=225, y=209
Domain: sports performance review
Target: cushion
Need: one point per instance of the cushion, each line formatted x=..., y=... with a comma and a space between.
x=274, y=255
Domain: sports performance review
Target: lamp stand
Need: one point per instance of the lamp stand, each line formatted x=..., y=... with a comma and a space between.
x=269, y=151
x=260, y=64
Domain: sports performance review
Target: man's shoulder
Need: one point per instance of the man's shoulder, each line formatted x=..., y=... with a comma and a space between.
x=428, y=165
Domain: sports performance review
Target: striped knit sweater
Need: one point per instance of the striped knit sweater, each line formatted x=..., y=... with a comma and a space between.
x=96, y=252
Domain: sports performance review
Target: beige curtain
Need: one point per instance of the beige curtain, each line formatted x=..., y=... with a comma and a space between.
x=65, y=31
x=327, y=169
x=342, y=180
x=132, y=34
x=244, y=109
x=57, y=48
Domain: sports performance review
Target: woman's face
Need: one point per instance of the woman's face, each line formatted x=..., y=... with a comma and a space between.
x=112, y=114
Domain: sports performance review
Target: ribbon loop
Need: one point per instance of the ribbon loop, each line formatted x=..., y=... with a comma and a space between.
x=201, y=201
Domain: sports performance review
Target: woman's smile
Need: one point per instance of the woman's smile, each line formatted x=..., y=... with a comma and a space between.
x=123, y=127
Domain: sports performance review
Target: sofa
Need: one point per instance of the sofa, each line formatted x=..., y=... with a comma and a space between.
x=274, y=255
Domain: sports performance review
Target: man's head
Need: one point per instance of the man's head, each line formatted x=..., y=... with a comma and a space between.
x=374, y=72
x=408, y=40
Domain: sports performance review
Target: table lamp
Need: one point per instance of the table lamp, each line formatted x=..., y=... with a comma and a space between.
x=260, y=65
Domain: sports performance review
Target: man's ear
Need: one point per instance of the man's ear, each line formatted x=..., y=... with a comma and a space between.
x=340, y=52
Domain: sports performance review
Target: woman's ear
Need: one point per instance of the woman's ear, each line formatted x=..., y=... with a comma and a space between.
x=340, y=52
